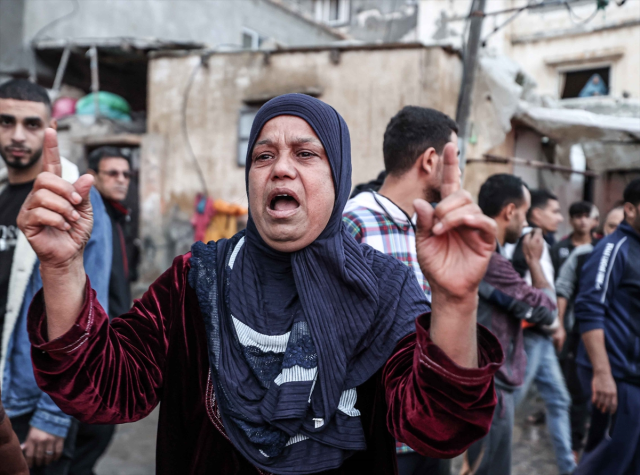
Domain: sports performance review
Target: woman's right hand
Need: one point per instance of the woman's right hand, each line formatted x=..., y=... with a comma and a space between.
x=57, y=216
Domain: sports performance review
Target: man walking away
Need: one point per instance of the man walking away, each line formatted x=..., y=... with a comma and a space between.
x=112, y=174
x=505, y=301
x=413, y=147
x=608, y=312
x=46, y=433
x=566, y=290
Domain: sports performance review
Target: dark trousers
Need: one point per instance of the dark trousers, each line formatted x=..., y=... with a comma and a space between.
x=579, y=412
x=91, y=444
x=413, y=463
x=491, y=455
x=613, y=445
x=61, y=466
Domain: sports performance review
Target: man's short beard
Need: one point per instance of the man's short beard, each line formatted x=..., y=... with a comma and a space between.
x=636, y=221
x=22, y=166
x=511, y=236
x=432, y=195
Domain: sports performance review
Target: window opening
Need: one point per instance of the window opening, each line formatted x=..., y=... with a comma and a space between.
x=586, y=83
x=247, y=114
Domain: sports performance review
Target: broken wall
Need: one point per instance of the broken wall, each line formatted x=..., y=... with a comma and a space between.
x=366, y=85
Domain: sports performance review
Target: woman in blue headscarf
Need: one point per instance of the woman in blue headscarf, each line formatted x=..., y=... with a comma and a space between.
x=289, y=348
x=595, y=86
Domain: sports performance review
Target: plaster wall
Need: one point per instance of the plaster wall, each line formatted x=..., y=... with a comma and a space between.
x=618, y=48
x=549, y=41
x=12, y=57
x=366, y=86
x=213, y=22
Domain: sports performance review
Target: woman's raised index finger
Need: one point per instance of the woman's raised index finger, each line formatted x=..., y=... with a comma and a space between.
x=50, y=153
x=451, y=171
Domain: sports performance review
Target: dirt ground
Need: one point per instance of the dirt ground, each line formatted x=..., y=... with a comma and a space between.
x=133, y=449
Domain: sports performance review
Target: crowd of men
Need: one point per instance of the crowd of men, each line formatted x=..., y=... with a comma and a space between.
x=527, y=299
x=566, y=312
x=52, y=441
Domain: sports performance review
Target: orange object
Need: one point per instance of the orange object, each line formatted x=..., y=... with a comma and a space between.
x=224, y=223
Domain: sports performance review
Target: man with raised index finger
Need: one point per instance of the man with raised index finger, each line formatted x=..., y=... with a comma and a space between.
x=289, y=348
x=415, y=142
x=47, y=434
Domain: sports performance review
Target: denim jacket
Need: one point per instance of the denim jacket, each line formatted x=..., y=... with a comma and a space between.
x=20, y=393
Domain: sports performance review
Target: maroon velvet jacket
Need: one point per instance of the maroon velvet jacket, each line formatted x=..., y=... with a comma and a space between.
x=118, y=373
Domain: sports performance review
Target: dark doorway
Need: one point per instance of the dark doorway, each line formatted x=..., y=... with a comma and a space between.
x=574, y=81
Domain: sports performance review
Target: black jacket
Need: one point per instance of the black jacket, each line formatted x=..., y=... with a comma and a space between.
x=119, y=288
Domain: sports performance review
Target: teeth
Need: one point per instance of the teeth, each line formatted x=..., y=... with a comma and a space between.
x=277, y=196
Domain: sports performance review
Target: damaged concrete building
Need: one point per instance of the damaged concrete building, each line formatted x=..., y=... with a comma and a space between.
x=202, y=103
x=368, y=21
x=195, y=89
x=367, y=84
x=74, y=47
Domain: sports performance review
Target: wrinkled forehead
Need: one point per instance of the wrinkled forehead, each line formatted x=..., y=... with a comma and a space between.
x=287, y=130
x=24, y=109
x=327, y=125
x=115, y=163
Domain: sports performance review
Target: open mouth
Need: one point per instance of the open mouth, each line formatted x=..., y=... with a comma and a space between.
x=283, y=202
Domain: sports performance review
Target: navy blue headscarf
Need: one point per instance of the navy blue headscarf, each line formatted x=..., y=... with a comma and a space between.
x=292, y=335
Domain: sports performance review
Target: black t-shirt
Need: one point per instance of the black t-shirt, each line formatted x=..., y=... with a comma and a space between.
x=11, y=200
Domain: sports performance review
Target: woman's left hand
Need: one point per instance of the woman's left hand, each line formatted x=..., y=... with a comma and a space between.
x=455, y=240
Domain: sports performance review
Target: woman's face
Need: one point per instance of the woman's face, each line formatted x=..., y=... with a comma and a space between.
x=291, y=190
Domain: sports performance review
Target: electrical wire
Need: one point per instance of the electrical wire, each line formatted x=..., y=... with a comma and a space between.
x=48, y=26
x=518, y=11
x=530, y=6
x=580, y=21
x=185, y=131
x=505, y=23
x=185, y=105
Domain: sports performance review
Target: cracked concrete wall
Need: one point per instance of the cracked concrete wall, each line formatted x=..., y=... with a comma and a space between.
x=549, y=41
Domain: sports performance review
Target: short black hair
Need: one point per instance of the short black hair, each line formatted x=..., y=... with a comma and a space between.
x=410, y=133
x=499, y=191
x=539, y=199
x=105, y=152
x=580, y=208
x=23, y=90
x=632, y=192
